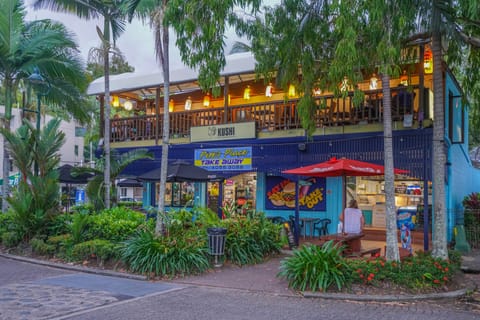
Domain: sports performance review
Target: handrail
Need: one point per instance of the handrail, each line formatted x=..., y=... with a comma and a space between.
x=272, y=116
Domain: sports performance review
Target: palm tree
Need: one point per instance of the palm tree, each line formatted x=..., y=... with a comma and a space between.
x=154, y=11
x=96, y=186
x=114, y=15
x=36, y=199
x=43, y=44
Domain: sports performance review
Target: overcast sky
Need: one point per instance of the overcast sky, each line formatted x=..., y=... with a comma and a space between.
x=136, y=43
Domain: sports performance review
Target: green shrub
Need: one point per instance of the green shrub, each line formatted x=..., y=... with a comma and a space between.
x=59, y=224
x=116, y=224
x=166, y=256
x=83, y=208
x=316, y=268
x=249, y=240
x=60, y=241
x=78, y=227
x=101, y=249
x=7, y=223
x=40, y=247
x=11, y=239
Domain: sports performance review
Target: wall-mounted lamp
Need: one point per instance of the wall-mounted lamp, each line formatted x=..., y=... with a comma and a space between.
x=317, y=91
x=206, y=100
x=269, y=90
x=188, y=103
x=404, y=78
x=128, y=105
x=427, y=61
x=291, y=91
x=246, y=93
x=373, y=82
x=115, y=101
x=171, y=105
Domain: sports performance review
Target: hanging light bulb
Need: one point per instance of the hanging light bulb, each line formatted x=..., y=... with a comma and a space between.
x=317, y=91
x=428, y=61
x=246, y=93
x=115, y=101
x=373, y=82
x=171, y=105
x=206, y=100
x=188, y=103
x=128, y=105
x=269, y=90
x=291, y=91
x=344, y=84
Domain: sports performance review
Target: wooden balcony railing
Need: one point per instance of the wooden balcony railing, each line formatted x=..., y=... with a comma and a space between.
x=271, y=115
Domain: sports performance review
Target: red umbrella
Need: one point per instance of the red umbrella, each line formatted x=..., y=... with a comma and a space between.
x=341, y=167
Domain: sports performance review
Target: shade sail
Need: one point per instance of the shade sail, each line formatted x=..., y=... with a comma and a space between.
x=341, y=167
x=65, y=175
x=181, y=172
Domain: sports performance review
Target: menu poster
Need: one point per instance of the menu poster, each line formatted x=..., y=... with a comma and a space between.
x=280, y=194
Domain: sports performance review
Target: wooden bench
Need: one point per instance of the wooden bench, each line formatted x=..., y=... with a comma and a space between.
x=373, y=252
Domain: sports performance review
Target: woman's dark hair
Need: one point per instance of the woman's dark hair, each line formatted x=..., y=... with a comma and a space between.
x=353, y=204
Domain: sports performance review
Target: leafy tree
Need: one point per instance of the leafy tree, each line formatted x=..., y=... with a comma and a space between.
x=95, y=63
x=44, y=44
x=35, y=201
x=114, y=15
x=96, y=186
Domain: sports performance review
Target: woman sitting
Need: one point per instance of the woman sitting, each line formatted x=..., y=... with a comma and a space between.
x=352, y=218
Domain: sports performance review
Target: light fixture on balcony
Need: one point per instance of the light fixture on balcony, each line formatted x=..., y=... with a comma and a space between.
x=269, y=90
x=128, y=105
x=344, y=85
x=246, y=93
x=291, y=91
x=427, y=61
x=206, y=100
x=171, y=105
x=404, y=78
x=188, y=103
x=373, y=82
x=115, y=101
x=317, y=91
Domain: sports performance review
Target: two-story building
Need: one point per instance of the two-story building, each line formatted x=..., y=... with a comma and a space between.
x=252, y=132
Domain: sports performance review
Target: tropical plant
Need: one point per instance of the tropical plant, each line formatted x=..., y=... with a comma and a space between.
x=114, y=15
x=35, y=201
x=118, y=162
x=47, y=45
x=100, y=249
x=316, y=268
x=166, y=256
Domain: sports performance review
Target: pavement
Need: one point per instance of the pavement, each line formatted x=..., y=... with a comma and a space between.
x=262, y=278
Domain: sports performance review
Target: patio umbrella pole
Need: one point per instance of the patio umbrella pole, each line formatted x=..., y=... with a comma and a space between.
x=297, y=214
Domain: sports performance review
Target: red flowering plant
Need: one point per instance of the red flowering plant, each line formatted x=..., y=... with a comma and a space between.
x=419, y=273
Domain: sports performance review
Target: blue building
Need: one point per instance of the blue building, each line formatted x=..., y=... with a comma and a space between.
x=252, y=132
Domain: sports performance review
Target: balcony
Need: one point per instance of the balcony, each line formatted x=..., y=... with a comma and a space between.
x=275, y=116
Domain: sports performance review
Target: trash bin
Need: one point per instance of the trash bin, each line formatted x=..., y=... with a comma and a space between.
x=216, y=243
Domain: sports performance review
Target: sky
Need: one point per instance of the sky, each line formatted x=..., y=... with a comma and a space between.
x=136, y=43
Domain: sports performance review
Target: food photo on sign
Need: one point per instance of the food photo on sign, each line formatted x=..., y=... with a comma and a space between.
x=281, y=194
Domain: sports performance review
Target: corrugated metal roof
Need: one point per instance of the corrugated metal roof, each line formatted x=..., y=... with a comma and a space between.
x=181, y=80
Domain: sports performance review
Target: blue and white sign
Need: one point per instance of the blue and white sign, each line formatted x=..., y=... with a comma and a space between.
x=79, y=197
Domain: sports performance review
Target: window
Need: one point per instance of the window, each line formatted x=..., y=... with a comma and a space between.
x=76, y=150
x=456, y=118
x=178, y=194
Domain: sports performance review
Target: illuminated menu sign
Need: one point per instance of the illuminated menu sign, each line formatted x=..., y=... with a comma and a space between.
x=238, y=158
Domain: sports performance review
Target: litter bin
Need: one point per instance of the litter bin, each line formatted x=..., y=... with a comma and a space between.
x=216, y=243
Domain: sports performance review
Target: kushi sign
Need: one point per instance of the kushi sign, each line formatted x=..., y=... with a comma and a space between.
x=244, y=130
x=239, y=158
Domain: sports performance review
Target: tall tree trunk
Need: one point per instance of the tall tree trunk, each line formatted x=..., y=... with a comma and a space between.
x=160, y=225
x=439, y=241
x=6, y=161
x=391, y=219
x=106, y=178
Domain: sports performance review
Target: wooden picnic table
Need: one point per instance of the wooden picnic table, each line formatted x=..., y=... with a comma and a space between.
x=352, y=241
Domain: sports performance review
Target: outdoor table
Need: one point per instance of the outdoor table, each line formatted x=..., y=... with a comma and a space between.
x=309, y=221
x=351, y=240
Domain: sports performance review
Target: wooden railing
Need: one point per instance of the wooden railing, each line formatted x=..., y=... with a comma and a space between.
x=270, y=116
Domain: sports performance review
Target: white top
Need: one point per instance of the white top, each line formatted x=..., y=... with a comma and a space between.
x=352, y=220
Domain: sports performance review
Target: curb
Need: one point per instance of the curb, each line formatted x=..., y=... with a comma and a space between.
x=389, y=298
x=74, y=268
